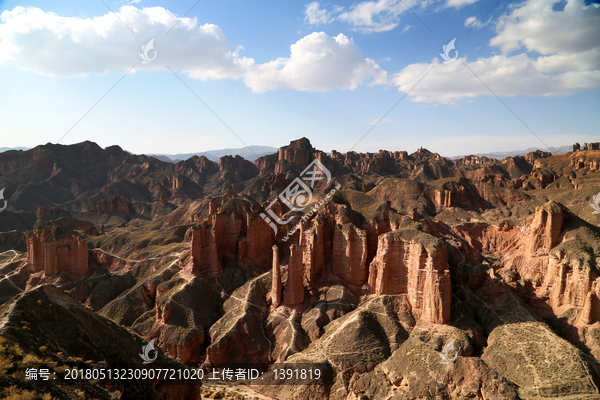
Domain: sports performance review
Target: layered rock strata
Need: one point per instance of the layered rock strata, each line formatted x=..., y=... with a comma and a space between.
x=414, y=263
x=204, y=251
x=56, y=250
x=293, y=291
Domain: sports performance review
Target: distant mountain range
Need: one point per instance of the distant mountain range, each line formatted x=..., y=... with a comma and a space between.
x=3, y=149
x=500, y=155
x=250, y=153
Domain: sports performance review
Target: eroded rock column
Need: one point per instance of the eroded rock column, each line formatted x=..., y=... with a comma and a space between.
x=276, y=287
x=350, y=254
x=293, y=293
x=204, y=251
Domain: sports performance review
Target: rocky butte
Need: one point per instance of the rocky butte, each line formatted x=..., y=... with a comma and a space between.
x=409, y=276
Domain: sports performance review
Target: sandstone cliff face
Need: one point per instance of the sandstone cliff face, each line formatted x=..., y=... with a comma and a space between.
x=276, y=183
x=276, y=285
x=350, y=254
x=112, y=205
x=204, y=251
x=297, y=155
x=245, y=168
x=315, y=241
x=415, y=264
x=228, y=228
x=240, y=234
x=255, y=248
x=293, y=291
x=546, y=227
x=55, y=250
x=266, y=164
x=538, y=253
x=45, y=214
x=523, y=249
x=450, y=198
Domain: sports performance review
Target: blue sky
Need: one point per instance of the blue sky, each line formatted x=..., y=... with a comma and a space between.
x=275, y=71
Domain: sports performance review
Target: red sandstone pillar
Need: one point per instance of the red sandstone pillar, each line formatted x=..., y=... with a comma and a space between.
x=276, y=288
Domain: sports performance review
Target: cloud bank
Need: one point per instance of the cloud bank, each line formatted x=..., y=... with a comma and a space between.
x=558, y=54
x=48, y=44
x=544, y=51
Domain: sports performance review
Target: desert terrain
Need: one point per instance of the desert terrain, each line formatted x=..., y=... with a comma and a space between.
x=409, y=276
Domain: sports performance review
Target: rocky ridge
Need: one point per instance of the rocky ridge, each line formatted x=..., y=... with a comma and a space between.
x=395, y=260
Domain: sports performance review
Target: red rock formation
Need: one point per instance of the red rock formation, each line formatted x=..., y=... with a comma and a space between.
x=546, y=227
x=213, y=206
x=239, y=165
x=591, y=309
x=567, y=283
x=204, y=251
x=177, y=182
x=350, y=254
x=586, y=160
x=276, y=182
x=43, y=213
x=374, y=229
x=450, y=198
x=536, y=155
x=560, y=282
x=276, y=287
x=266, y=164
x=202, y=164
x=417, y=264
x=55, y=250
x=12, y=160
x=112, y=205
x=240, y=234
x=313, y=242
x=298, y=154
x=228, y=228
x=255, y=247
x=293, y=292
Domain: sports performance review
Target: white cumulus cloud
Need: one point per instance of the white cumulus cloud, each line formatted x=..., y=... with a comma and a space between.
x=43, y=42
x=459, y=3
x=366, y=16
x=566, y=57
x=49, y=44
x=315, y=15
x=375, y=16
x=318, y=62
